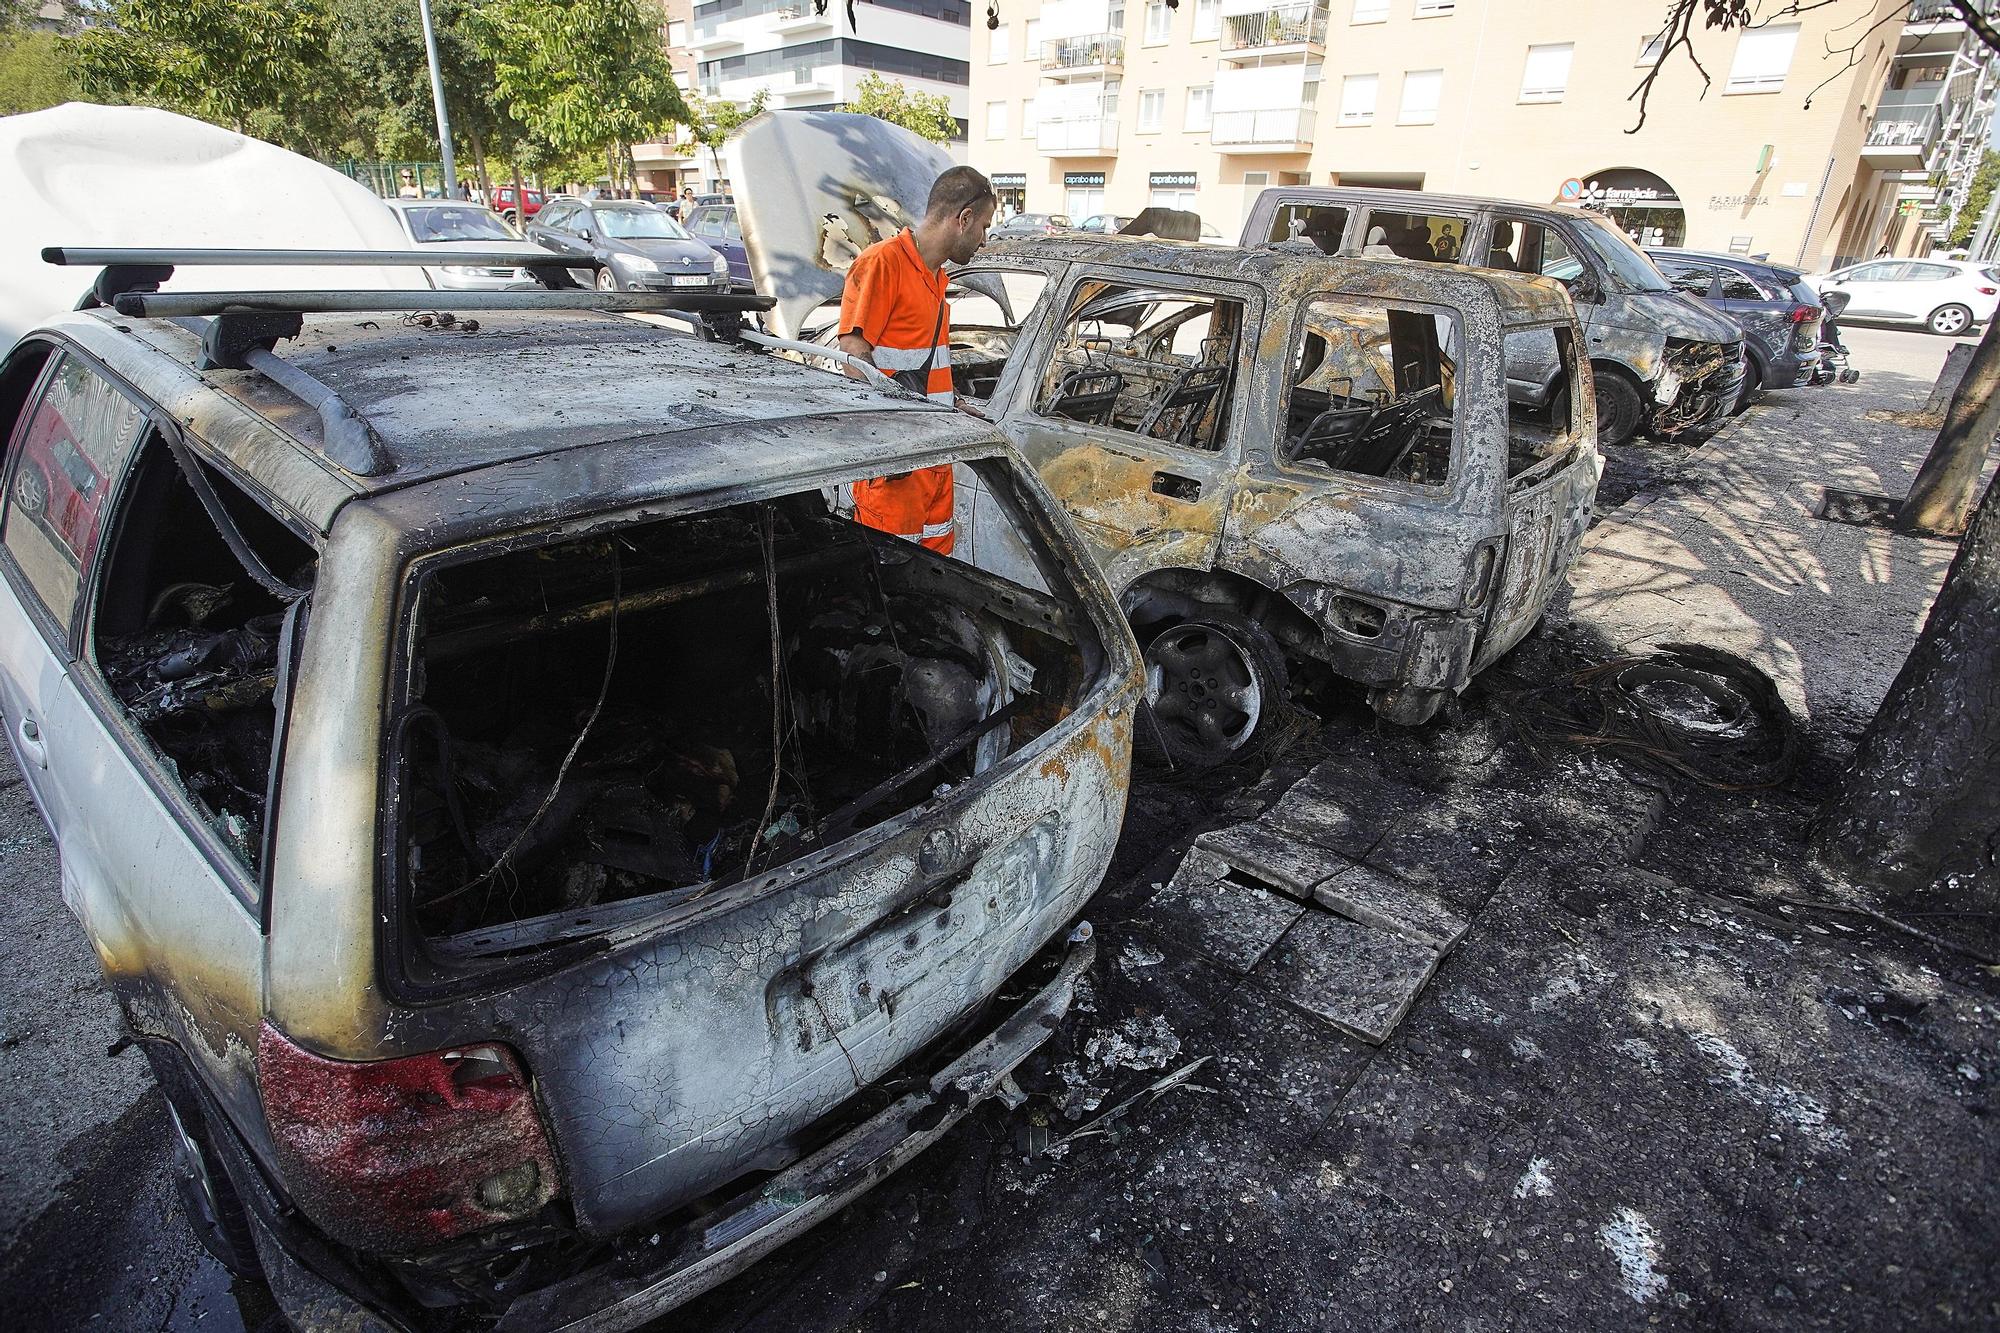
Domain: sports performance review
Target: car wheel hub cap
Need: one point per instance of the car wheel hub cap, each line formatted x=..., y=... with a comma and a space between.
x=1202, y=683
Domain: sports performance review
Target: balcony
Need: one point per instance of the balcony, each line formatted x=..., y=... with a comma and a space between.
x=665, y=154
x=709, y=40
x=1092, y=136
x=1900, y=138
x=794, y=20
x=1076, y=57
x=1282, y=130
x=1932, y=27
x=1282, y=30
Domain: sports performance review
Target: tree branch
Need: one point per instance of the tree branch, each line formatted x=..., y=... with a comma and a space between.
x=1680, y=22
x=1982, y=27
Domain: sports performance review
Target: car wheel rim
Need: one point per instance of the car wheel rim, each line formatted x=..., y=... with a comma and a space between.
x=1202, y=686
x=1948, y=321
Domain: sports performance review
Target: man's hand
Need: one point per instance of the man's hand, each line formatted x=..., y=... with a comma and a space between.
x=860, y=349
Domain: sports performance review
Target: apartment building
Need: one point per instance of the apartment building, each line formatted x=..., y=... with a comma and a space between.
x=1934, y=115
x=664, y=167
x=1089, y=106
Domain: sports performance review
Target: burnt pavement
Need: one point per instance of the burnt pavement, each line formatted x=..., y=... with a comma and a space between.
x=1645, y=1086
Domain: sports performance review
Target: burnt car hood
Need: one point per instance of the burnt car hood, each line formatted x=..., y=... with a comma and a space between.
x=1678, y=315
x=815, y=189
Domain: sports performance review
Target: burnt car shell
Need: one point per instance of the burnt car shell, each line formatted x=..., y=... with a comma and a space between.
x=672, y=1041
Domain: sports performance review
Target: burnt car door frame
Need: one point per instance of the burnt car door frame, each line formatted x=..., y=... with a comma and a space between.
x=1173, y=542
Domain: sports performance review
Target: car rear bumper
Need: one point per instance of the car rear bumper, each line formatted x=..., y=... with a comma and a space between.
x=315, y=1288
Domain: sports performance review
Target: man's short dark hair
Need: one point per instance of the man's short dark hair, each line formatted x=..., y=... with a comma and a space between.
x=956, y=190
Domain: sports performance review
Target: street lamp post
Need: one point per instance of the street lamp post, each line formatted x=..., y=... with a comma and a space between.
x=437, y=99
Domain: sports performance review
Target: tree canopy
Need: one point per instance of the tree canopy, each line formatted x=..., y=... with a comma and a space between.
x=928, y=114
x=580, y=74
x=1984, y=179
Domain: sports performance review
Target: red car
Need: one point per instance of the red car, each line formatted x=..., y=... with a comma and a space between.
x=503, y=204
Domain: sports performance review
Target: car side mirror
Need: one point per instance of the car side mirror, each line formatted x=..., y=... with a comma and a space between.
x=1583, y=290
x=584, y=232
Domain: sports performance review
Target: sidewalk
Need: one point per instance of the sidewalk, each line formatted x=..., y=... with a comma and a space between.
x=1641, y=1090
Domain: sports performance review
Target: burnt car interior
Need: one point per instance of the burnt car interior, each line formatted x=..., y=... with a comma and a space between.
x=190, y=619
x=603, y=726
x=1544, y=430
x=1373, y=390
x=988, y=309
x=1157, y=363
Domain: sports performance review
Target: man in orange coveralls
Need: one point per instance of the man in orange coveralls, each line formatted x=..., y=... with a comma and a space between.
x=893, y=315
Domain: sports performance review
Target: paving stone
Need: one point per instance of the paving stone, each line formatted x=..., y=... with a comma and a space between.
x=1233, y=923
x=1374, y=899
x=1359, y=978
x=1277, y=856
x=1345, y=808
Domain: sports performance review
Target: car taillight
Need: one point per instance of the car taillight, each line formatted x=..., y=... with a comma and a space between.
x=1989, y=291
x=397, y=1155
x=1802, y=313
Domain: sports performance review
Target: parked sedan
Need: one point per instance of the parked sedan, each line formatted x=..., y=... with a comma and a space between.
x=716, y=227
x=1946, y=296
x=448, y=225
x=1031, y=224
x=1780, y=313
x=1108, y=224
x=640, y=247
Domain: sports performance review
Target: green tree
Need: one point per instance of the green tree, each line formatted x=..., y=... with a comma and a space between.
x=1984, y=179
x=34, y=71
x=712, y=120
x=580, y=75
x=928, y=114
x=257, y=66
x=379, y=49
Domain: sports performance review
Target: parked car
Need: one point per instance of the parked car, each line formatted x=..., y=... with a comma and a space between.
x=1030, y=224
x=469, y=228
x=501, y=959
x=715, y=226
x=1108, y=224
x=1946, y=296
x=519, y=212
x=1664, y=363
x=639, y=246
x=1275, y=456
x=1775, y=305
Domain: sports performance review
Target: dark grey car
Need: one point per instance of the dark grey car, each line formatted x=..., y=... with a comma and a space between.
x=642, y=248
x=1780, y=313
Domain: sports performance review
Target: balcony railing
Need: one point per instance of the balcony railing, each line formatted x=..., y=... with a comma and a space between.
x=1079, y=136
x=1901, y=133
x=1281, y=25
x=1285, y=125
x=1104, y=50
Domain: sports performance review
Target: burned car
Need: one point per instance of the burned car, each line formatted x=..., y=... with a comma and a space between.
x=1664, y=365
x=549, y=855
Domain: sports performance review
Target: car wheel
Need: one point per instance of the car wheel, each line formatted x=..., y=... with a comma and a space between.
x=511, y=217
x=207, y=1198
x=1950, y=320
x=1619, y=409
x=1213, y=683
x=1405, y=705
x=1753, y=380
x=607, y=281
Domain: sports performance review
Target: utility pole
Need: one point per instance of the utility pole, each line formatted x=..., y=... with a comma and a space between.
x=437, y=100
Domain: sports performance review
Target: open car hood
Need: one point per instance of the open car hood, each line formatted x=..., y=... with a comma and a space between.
x=79, y=174
x=816, y=188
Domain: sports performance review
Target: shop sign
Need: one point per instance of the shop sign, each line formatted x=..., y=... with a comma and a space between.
x=1009, y=180
x=1172, y=180
x=1083, y=179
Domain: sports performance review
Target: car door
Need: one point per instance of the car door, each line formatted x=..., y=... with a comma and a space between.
x=1137, y=428
x=1870, y=288
x=1921, y=288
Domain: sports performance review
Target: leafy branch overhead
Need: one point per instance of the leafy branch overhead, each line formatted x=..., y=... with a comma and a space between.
x=579, y=74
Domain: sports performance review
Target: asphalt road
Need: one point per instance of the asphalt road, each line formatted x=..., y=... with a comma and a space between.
x=89, y=1227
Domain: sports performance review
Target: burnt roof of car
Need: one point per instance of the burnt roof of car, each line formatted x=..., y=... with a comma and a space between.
x=1299, y=269
x=442, y=401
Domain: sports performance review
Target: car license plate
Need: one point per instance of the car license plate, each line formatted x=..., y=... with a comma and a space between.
x=690, y=280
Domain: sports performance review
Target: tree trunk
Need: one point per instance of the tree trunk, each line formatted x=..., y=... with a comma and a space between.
x=479, y=161
x=1948, y=483
x=520, y=196
x=1921, y=800
x=611, y=170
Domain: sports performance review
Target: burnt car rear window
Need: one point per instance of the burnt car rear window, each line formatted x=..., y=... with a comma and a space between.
x=1373, y=391
x=608, y=725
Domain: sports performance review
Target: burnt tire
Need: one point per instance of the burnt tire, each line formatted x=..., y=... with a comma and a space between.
x=1753, y=381
x=209, y=1202
x=1620, y=410
x=1215, y=683
x=1949, y=320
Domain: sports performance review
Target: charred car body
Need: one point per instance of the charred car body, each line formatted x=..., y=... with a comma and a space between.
x=549, y=856
x=1269, y=451
x=1664, y=364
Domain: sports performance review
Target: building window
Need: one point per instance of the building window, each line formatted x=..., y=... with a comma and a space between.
x=1432, y=8
x=1357, y=99
x=1114, y=18
x=996, y=46
x=1172, y=189
x=1763, y=57
x=1420, y=97
x=1207, y=20
x=1028, y=120
x=1649, y=50
x=1112, y=87
x=1256, y=180
x=1152, y=109
x=996, y=120
x=1545, y=78
x=677, y=34
x=1371, y=11
x=1159, y=22
x=1200, y=108
x=1031, y=36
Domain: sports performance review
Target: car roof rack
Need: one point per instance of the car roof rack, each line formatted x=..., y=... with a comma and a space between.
x=243, y=328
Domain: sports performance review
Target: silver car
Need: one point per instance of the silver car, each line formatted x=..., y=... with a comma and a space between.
x=446, y=225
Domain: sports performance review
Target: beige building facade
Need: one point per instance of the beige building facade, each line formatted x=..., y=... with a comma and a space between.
x=1086, y=107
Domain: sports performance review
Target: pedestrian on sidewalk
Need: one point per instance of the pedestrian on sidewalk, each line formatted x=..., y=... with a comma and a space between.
x=894, y=316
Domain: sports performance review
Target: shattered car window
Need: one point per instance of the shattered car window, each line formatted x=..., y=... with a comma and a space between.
x=1541, y=413
x=1518, y=245
x=1373, y=391
x=630, y=719
x=1321, y=224
x=988, y=308
x=1154, y=362
x=1439, y=237
x=187, y=637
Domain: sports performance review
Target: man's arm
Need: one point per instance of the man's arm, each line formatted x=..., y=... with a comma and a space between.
x=860, y=349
